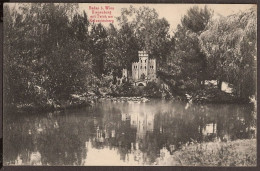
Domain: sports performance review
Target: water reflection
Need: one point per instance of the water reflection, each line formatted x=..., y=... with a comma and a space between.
x=120, y=133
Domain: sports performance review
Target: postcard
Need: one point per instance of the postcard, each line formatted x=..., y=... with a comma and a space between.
x=110, y=84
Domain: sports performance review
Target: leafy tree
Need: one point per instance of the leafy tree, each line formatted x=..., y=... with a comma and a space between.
x=112, y=62
x=197, y=19
x=187, y=61
x=43, y=59
x=61, y=52
x=18, y=58
x=129, y=46
x=230, y=46
x=80, y=25
x=187, y=57
x=98, y=46
x=151, y=33
x=122, y=49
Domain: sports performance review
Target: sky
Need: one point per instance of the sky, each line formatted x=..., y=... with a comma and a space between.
x=172, y=12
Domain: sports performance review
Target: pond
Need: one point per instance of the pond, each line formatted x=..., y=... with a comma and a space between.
x=121, y=133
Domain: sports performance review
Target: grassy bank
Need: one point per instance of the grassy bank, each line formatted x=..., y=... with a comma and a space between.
x=232, y=153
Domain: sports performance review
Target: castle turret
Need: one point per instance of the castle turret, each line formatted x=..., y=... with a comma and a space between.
x=143, y=64
x=135, y=71
x=144, y=69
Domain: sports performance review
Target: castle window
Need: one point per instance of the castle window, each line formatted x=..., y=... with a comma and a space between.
x=141, y=61
x=145, y=61
x=141, y=67
x=145, y=67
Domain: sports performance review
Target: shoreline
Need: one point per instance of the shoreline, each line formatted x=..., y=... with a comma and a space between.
x=115, y=98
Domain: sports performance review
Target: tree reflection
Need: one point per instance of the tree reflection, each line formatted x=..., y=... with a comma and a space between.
x=139, y=134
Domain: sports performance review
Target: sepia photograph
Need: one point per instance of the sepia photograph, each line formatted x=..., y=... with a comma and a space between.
x=126, y=84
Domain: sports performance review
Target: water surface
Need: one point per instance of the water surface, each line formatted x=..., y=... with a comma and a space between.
x=120, y=133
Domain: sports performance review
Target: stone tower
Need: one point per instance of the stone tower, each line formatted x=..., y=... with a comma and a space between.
x=144, y=69
x=135, y=71
x=143, y=64
x=152, y=69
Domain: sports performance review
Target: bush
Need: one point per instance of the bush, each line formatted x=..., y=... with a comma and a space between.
x=152, y=90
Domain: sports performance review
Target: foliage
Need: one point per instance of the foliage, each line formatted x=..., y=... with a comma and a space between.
x=197, y=18
x=186, y=60
x=230, y=46
x=151, y=32
x=122, y=49
x=42, y=53
x=234, y=153
x=51, y=51
x=98, y=47
x=152, y=89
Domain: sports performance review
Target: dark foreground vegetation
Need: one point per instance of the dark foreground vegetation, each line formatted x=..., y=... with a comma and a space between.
x=232, y=153
x=55, y=58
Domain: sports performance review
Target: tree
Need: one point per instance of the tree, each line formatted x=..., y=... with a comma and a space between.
x=129, y=46
x=187, y=60
x=61, y=52
x=112, y=62
x=44, y=59
x=18, y=57
x=230, y=46
x=80, y=25
x=121, y=51
x=197, y=19
x=98, y=46
x=151, y=32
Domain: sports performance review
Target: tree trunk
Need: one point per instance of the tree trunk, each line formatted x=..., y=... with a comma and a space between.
x=219, y=84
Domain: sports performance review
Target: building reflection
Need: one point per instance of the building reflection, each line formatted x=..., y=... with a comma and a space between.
x=143, y=122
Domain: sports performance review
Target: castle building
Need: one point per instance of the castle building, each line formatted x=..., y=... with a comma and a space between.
x=145, y=68
x=143, y=71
